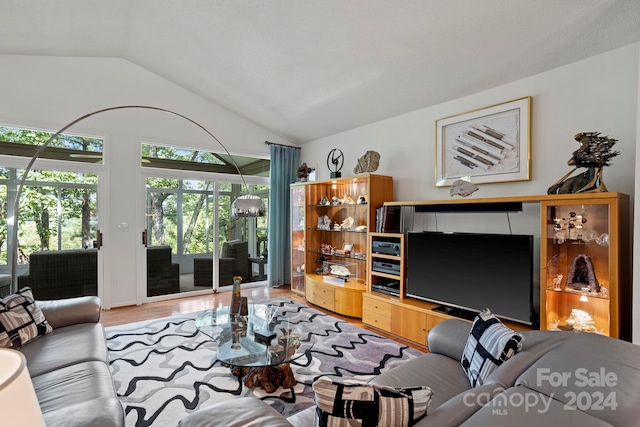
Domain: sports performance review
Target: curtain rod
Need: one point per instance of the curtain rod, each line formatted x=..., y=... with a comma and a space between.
x=283, y=145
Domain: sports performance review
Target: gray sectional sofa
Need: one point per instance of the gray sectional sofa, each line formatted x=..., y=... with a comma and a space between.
x=557, y=378
x=70, y=367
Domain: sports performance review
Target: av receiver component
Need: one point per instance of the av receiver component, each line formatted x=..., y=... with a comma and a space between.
x=386, y=267
x=387, y=248
x=392, y=288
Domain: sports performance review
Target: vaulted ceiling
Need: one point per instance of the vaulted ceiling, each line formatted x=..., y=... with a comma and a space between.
x=308, y=69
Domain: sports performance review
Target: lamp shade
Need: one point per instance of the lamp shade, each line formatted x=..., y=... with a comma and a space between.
x=248, y=206
x=18, y=402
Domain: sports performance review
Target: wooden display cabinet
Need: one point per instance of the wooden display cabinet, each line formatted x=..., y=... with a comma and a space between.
x=350, y=203
x=297, y=238
x=584, y=263
x=603, y=237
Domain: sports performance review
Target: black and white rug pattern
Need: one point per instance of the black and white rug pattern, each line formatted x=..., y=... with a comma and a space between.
x=165, y=369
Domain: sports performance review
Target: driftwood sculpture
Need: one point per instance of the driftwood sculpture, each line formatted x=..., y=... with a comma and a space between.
x=594, y=154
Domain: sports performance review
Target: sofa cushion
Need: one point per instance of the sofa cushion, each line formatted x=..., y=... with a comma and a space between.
x=66, y=346
x=441, y=373
x=79, y=395
x=21, y=321
x=342, y=403
x=597, y=374
x=521, y=407
x=489, y=345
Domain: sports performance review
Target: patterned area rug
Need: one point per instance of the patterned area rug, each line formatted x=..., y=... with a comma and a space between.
x=165, y=369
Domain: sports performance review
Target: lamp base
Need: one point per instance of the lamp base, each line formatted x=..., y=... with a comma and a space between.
x=335, y=175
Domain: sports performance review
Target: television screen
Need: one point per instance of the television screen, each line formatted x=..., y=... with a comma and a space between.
x=472, y=271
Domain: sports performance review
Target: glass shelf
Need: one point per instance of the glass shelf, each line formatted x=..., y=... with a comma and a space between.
x=342, y=205
x=336, y=255
x=364, y=233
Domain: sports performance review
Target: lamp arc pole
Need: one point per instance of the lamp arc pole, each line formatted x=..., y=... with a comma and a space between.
x=14, y=231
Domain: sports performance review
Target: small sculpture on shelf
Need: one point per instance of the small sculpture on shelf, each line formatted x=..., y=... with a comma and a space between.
x=347, y=200
x=347, y=224
x=557, y=282
x=572, y=227
x=326, y=248
x=340, y=270
x=303, y=172
x=462, y=188
x=582, y=275
x=581, y=321
x=324, y=223
x=594, y=154
x=369, y=162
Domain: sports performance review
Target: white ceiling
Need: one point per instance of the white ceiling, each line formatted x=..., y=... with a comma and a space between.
x=308, y=69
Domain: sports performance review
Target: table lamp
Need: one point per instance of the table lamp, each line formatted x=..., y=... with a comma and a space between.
x=18, y=402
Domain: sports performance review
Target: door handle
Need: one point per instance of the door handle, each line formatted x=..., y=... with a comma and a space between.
x=98, y=239
x=144, y=237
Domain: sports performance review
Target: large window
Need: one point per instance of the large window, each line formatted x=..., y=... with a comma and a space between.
x=57, y=208
x=181, y=215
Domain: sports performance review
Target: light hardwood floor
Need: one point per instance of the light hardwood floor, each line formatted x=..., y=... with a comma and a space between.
x=154, y=310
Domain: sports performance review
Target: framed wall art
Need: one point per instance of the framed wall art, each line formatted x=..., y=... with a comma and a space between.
x=491, y=144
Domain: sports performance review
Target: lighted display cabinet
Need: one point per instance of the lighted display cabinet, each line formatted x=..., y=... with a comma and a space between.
x=574, y=227
x=339, y=215
x=584, y=264
x=297, y=238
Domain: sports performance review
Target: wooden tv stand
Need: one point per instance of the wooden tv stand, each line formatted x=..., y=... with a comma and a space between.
x=608, y=213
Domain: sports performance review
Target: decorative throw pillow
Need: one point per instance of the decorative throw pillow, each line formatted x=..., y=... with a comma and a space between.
x=489, y=345
x=367, y=405
x=21, y=320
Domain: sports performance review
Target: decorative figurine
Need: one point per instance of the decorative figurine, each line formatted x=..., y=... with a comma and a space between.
x=594, y=154
x=347, y=224
x=303, y=172
x=582, y=275
x=335, y=161
x=369, y=162
x=463, y=188
x=557, y=282
x=236, y=298
x=324, y=223
x=580, y=321
x=347, y=200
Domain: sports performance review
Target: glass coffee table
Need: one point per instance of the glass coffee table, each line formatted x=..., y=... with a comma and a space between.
x=257, y=346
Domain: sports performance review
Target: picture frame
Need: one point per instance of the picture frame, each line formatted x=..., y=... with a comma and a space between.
x=486, y=145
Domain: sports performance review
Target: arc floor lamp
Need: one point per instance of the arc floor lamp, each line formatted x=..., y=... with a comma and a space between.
x=247, y=205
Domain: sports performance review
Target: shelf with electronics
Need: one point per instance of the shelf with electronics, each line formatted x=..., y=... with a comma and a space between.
x=588, y=228
x=338, y=216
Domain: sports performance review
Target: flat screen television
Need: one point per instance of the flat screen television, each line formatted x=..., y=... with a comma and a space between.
x=468, y=272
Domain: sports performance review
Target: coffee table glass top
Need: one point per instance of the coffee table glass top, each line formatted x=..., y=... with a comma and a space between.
x=264, y=337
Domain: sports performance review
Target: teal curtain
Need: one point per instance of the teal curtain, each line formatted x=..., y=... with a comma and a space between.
x=284, y=162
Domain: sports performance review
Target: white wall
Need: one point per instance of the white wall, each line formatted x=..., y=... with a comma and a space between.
x=596, y=94
x=49, y=92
